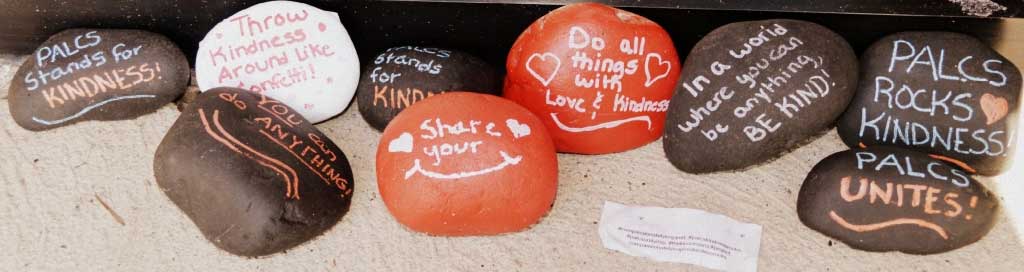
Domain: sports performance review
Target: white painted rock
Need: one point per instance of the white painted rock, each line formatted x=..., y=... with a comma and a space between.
x=290, y=51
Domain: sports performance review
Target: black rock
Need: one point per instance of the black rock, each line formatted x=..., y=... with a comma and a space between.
x=891, y=199
x=96, y=74
x=404, y=75
x=750, y=91
x=939, y=93
x=253, y=174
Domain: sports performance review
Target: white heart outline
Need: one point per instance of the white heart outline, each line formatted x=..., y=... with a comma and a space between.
x=647, y=69
x=401, y=144
x=558, y=65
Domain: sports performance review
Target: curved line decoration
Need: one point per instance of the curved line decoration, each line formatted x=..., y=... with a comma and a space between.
x=217, y=137
x=292, y=186
x=954, y=161
x=89, y=108
x=554, y=117
x=505, y=163
x=895, y=222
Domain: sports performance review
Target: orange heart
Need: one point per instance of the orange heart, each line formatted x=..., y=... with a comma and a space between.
x=995, y=108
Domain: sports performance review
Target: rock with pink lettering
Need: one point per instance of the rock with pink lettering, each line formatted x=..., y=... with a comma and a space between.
x=940, y=93
x=254, y=176
x=401, y=76
x=96, y=74
x=290, y=51
x=751, y=91
x=892, y=199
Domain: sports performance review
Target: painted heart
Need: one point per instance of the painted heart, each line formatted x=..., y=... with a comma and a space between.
x=546, y=61
x=401, y=144
x=995, y=108
x=518, y=130
x=660, y=63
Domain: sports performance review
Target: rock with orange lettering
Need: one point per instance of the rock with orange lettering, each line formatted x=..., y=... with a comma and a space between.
x=891, y=199
x=940, y=93
x=254, y=175
x=599, y=78
x=751, y=91
x=96, y=74
x=403, y=75
x=463, y=163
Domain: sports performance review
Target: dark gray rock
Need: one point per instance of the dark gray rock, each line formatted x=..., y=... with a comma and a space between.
x=940, y=93
x=253, y=174
x=750, y=91
x=96, y=74
x=891, y=199
x=403, y=75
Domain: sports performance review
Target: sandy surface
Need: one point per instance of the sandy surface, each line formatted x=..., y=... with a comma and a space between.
x=54, y=185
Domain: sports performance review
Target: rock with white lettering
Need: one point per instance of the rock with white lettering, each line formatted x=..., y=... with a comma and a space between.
x=600, y=78
x=751, y=91
x=940, y=93
x=893, y=199
x=290, y=51
x=251, y=173
x=464, y=163
x=96, y=74
x=401, y=76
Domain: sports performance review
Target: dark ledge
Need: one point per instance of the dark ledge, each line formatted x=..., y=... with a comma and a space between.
x=488, y=28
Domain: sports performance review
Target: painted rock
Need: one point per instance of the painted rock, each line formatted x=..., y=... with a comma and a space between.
x=892, y=199
x=939, y=93
x=96, y=74
x=251, y=173
x=599, y=78
x=481, y=166
x=751, y=91
x=401, y=76
x=290, y=51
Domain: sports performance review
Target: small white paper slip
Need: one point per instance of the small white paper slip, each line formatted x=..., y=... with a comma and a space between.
x=290, y=51
x=681, y=235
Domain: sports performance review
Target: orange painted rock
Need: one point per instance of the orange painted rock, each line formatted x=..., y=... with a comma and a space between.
x=466, y=164
x=599, y=78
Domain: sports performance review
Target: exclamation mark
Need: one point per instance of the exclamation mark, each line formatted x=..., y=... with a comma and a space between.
x=158, y=71
x=974, y=203
x=312, y=70
x=1010, y=140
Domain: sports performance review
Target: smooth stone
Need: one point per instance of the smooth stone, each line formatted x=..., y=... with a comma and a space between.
x=481, y=166
x=290, y=51
x=96, y=74
x=600, y=78
x=401, y=76
x=251, y=173
x=891, y=199
x=939, y=93
x=752, y=91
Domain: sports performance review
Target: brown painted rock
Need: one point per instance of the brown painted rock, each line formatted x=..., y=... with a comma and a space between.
x=401, y=76
x=751, y=91
x=96, y=74
x=891, y=199
x=939, y=93
x=463, y=163
x=252, y=174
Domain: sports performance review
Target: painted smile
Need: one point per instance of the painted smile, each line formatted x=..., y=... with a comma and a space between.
x=507, y=161
x=605, y=125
